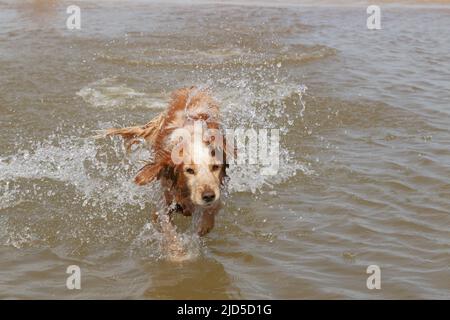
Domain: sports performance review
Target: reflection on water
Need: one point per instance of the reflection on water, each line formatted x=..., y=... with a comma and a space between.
x=197, y=279
x=364, y=175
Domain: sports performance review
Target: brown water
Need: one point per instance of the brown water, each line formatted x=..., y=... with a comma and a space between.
x=365, y=175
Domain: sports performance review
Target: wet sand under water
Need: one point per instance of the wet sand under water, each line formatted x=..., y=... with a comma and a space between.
x=365, y=167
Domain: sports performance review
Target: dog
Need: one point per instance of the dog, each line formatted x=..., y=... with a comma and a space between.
x=189, y=155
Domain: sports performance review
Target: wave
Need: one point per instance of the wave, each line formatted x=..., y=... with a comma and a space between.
x=222, y=58
x=110, y=93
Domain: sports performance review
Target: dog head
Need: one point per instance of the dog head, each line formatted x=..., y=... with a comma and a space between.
x=196, y=167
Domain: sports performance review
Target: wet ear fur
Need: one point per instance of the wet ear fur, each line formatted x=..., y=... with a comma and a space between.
x=148, y=173
x=170, y=173
x=152, y=171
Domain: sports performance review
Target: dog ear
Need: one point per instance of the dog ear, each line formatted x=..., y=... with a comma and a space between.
x=169, y=172
x=148, y=173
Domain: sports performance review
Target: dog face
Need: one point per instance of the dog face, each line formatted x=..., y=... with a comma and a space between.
x=203, y=175
x=195, y=171
x=197, y=150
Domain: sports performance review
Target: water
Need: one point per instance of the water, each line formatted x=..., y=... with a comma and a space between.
x=364, y=176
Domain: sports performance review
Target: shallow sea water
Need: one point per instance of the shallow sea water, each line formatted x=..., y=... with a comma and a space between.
x=365, y=159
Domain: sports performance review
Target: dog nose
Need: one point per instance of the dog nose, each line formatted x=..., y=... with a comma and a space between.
x=208, y=196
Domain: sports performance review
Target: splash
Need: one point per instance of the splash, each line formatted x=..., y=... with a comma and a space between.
x=166, y=243
x=87, y=185
x=161, y=239
x=76, y=162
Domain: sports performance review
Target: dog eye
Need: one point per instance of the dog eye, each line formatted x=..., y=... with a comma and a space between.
x=215, y=167
x=190, y=171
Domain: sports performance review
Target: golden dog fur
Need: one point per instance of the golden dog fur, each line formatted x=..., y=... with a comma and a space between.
x=188, y=186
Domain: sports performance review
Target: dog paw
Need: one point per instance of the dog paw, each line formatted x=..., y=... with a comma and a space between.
x=203, y=230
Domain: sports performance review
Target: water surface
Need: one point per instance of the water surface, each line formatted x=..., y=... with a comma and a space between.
x=365, y=174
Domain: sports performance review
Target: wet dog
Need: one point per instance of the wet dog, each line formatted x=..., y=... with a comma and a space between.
x=189, y=155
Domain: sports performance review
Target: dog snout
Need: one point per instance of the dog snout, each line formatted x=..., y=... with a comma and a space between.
x=208, y=196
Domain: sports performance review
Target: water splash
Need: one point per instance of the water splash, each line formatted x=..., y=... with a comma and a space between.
x=89, y=183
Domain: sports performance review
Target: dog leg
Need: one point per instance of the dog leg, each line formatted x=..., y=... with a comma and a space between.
x=206, y=223
x=155, y=216
x=172, y=242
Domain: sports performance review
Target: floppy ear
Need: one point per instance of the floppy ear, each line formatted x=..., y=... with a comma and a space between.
x=148, y=173
x=169, y=172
